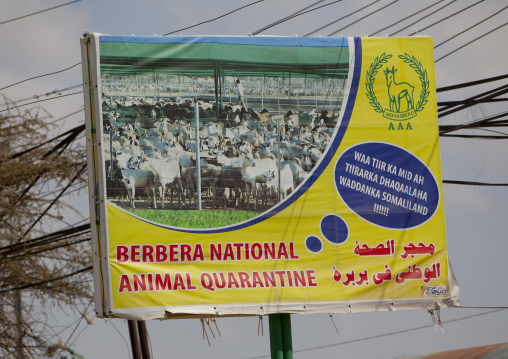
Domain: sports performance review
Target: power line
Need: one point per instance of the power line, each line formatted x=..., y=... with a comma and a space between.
x=73, y=132
x=204, y=22
x=36, y=77
x=472, y=83
x=44, y=240
x=343, y=17
x=54, y=92
x=447, y=110
x=284, y=19
x=387, y=334
x=31, y=285
x=422, y=18
x=47, y=99
x=470, y=42
x=301, y=13
x=468, y=183
x=56, y=199
x=38, y=12
x=362, y=18
x=469, y=28
x=447, y=17
x=407, y=17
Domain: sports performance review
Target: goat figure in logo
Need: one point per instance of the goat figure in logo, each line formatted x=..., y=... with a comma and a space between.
x=398, y=91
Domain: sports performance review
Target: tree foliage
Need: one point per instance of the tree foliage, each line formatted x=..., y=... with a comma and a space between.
x=38, y=170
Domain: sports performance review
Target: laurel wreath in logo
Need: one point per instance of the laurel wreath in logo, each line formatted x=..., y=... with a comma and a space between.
x=377, y=64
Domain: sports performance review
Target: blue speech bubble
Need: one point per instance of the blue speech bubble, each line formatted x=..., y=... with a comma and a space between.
x=313, y=244
x=386, y=185
x=334, y=229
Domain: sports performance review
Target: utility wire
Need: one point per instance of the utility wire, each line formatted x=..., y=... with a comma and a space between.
x=36, y=77
x=31, y=285
x=443, y=129
x=442, y=112
x=470, y=42
x=301, y=13
x=46, y=239
x=47, y=99
x=422, y=18
x=284, y=19
x=447, y=17
x=343, y=17
x=468, y=183
x=49, y=248
x=505, y=137
x=54, y=92
x=407, y=17
x=387, y=334
x=73, y=132
x=364, y=17
x=56, y=199
x=204, y=22
x=472, y=83
x=469, y=28
x=38, y=12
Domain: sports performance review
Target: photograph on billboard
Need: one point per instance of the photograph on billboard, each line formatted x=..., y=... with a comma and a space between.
x=258, y=175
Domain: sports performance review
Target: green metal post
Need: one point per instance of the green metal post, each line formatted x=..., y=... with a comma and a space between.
x=287, y=341
x=276, y=348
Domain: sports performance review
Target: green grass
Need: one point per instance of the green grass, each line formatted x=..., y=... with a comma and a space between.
x=194, y=218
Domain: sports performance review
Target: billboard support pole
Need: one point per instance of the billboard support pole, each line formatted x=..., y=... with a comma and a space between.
x=143, y=339
x=281, y=346
x=287, y=342
x=133, y=334
x=198, y=159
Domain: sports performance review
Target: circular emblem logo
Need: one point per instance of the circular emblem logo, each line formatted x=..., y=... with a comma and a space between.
x=401, y=104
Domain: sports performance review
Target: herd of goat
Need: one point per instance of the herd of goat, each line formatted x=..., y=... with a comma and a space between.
x=248, y=160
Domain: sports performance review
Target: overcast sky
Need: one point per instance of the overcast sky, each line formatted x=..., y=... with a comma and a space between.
x=475, y=216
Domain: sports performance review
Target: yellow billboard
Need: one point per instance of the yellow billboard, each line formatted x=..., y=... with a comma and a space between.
x=260, y=175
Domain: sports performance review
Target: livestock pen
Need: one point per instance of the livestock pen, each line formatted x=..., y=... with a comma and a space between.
x=178, y=131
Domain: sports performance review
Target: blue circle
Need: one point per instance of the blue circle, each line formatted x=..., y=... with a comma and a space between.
x=334, y=229
x=313, y=244
x=386, y=185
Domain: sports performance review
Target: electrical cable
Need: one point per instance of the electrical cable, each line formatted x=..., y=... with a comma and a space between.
x=387, y=334
x=343, y=17
x=447, y=17
x=43, y=240
x=422, y=18
x=478, y=137
x=31, y=285
x=302, y=13
x=407, y=17
x=72, y=333
x=121, y=335
x=55, y=200
x=284, y=19
x=469, y=183
x=471, y=83
x=447, y=110
x=470, y=42
x=469, y=28
x=47, y=94
x=362, y=18
x=73, y=132
x=36, y=77
x=50, y=249
x=61, y=146
x=443, y=129
x=38, y=12
x=204, y=22
x=47, y=99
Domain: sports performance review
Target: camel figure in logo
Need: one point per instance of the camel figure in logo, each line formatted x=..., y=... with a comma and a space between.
x=398, y=91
